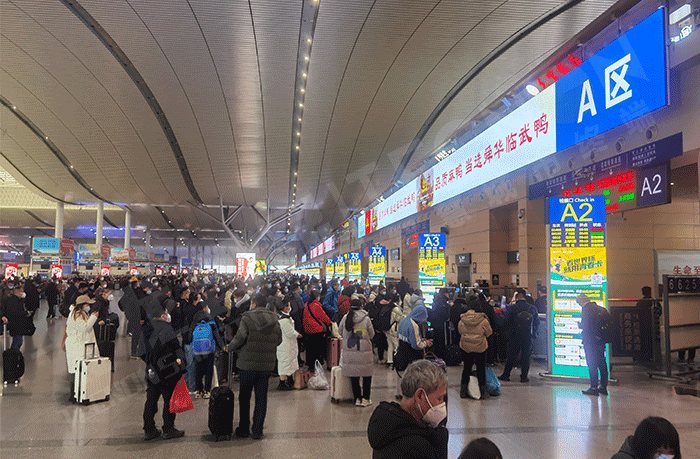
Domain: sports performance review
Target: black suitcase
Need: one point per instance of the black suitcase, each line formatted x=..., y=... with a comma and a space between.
x=105, y=342
x=221, y=405
x=12, y=362
x=453, y=353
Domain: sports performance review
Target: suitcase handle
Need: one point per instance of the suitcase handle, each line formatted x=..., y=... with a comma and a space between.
x=4, y=336
x=87, y=345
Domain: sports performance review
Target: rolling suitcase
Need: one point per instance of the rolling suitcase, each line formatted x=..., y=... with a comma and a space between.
x=333, y=357
x=340, y=388
x=105, y=343
x=453, y=353
x=12, y=361
x=93, y=378
x=221, y=404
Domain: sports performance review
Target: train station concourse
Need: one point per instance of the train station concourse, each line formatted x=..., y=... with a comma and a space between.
x=350, y=229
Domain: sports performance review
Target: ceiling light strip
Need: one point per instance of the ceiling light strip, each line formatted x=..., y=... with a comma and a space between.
x=34, y=184
x=77, y=9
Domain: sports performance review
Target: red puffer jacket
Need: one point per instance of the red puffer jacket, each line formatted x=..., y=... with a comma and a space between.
x=312, y=323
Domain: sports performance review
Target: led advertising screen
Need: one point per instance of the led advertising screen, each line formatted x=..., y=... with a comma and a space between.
x=431, y=264
x=377, y=265
x=330, y=269
x=340, y=266
x=577, y=264
x=354, y=265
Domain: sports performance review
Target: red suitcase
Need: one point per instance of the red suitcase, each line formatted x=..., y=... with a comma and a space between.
x=333, y=358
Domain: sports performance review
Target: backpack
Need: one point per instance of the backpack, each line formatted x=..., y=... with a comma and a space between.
x=383, y=320
x=604, y=327
x=523, y=323
x=203, y=339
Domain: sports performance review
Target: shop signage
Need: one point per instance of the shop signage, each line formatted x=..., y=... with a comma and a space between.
x=330, y=269
x=431, y=264
x=309, y=270
x=340, y=266
x=625, y=80
x=245, y=264
x=354, y=265
x=578, y=264
x=377, y=265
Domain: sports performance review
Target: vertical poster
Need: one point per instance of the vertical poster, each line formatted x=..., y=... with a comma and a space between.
x=377, y=265
x=354, y=266
x=330, y=269
x=577, y=264
x=261, y=267
x=340, y=266
x=431, y=264
x=245, y=264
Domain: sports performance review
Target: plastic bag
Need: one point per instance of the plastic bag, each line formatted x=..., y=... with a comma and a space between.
x=181, y=400
x=319, y=380
x=493, y=385
x=473, y=388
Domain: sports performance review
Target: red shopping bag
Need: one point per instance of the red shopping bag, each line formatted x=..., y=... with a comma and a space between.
x=181, y=400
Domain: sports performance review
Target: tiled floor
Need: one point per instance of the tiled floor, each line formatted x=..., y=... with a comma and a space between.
x=543, y=419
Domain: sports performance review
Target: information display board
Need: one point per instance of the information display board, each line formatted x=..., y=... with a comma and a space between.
x=330, y=269
x=354, y=265
x=578, y=264
x=431, y=264
x=377, y=265
x=340, y=266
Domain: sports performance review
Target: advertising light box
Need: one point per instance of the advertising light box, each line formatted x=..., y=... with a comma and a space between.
x=340, y=266
x=377, y=265
x=330, y=269
x=245, y=264
x=431, y=264
x=577, y=264
x=354, y=265
x=623, y=81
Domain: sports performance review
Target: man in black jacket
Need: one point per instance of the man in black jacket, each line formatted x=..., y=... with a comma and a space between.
x=593, y=346
x=439, y=317
x=416, y=427
x=14, y=315
x=522, y=319
x=160, y=349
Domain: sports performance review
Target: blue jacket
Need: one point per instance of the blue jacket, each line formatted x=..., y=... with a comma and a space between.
x=330, y=302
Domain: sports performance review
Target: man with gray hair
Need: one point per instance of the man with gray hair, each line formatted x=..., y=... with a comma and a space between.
x=415, y=428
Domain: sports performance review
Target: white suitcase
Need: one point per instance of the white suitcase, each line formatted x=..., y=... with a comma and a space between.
x=93, y=378
x=340, y=388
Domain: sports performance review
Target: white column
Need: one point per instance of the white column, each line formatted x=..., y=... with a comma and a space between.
x=98, y=224
x=58, y=226
x=127, y=229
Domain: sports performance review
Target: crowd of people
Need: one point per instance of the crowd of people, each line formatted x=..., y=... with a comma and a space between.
x=253, y=328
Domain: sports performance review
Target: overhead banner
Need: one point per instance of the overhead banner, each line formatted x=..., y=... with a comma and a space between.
x=330, y=269
x=577, y=264
x=354, y=265
x=340, y=266
x=377, y=265
x=431, y=264
x=621, y=82
x=245, y=264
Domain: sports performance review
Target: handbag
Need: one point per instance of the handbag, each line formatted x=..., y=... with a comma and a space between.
x=301, y=379
x=181, y=400
x=327, y=332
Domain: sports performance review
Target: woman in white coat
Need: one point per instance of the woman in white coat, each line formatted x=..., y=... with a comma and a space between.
x=79, y=332
x=288, y=350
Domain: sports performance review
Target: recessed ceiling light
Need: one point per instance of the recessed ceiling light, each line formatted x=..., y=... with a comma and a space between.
x=303, y=90
x=297, y=147
x=308, y=40
x=532, y=90
x=295, y=174
x=306, y=58
x=301, y=105
x=71, y=166
x=14, y=107
x=303, y=74
x=300, y=120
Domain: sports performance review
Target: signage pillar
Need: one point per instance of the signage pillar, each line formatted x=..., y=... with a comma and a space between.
x=431, y=264
x=98, y=224
x=58, y=226
x=577, y=265
x=127, y=229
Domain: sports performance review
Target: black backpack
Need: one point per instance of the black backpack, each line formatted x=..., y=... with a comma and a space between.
x=383, y=320
x=523, y=323
x=604, y=326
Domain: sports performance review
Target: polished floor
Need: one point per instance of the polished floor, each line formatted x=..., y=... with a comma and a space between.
x=543, y=419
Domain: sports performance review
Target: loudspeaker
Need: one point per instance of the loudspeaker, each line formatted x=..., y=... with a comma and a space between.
x=445, y=229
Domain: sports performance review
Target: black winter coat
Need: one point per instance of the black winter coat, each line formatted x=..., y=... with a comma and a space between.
x=13, y=309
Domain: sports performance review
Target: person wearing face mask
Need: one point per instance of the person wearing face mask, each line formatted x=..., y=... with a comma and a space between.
x=14, y=315
x=287, y=351
x=79, y=332
x=415, y=427
x=51, y=291
x=204, y=364
x=654, y=438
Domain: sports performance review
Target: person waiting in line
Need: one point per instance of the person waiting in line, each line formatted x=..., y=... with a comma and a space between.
x=204, y=363
x=13, y=313
x=392, y=335
x=522, y=319
x=593, y=346
x=412, y=343
x=357, y=358
x=287, y=351
x=129, y=303
x=541, y=302
x=330, y=301
x=415, y=300
x=654, y=438
x=165, y=363
x=481, y=448
x=256, y=344
x=415, y=427
x=79, y=332
x=344, y=303
x=439, y=317
x=474, y=329
x=315, y=319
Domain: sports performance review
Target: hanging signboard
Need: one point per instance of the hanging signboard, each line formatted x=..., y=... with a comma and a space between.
x=623, y=81
x=431, y=264
x=88, y=252
x=340, y=266
x=245, y=264
x=377, y=265
x=66, y=248
x=330, y=269
x=577, y=264
x=354, y=265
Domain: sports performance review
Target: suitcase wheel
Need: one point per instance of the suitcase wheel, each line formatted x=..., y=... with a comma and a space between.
x=334, y=400
x=86, y=402
x=107, y=398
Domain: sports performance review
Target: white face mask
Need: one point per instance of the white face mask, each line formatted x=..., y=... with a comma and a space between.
x=218, y=290
x=187, y=284
x=168, y=318
x=435, y=415
x=86, y=308
x=110, y=297
x=23, y=295
x=664, y=456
